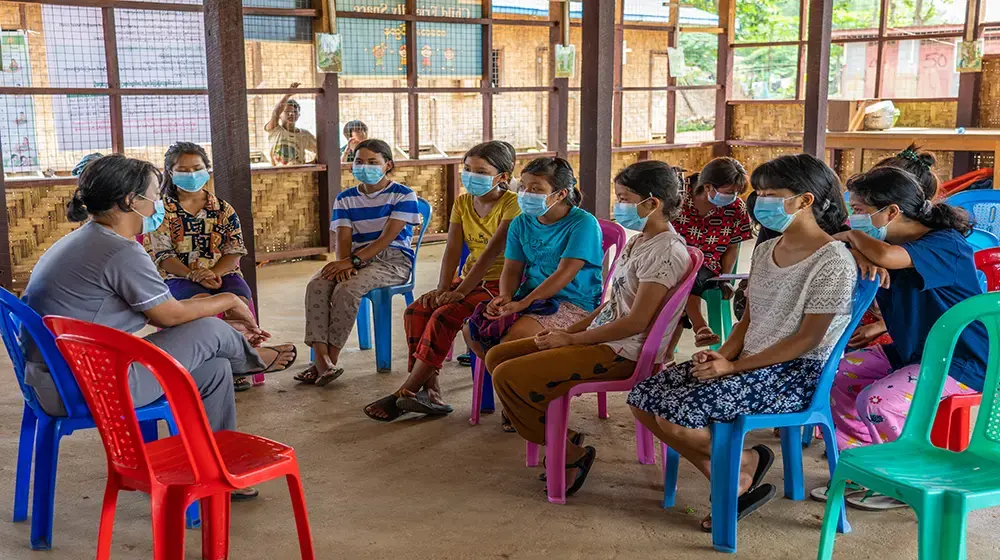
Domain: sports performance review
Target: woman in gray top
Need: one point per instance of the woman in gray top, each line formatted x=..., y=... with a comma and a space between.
x=99, y=273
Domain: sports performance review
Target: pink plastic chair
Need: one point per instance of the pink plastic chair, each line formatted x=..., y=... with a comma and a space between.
x=557, y=415
x=613, y=236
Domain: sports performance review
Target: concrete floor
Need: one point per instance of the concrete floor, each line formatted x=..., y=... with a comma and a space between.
x=429, y=489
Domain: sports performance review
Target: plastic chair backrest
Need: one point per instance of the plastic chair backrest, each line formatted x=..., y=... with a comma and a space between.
x=100, y=358
x=17, y=319
x=981, y=239
x=424, y=208
x=936, y=362
x=983, y=206
x=988, y=263
x=613, y=236
x=864, y=294
x=677, y=300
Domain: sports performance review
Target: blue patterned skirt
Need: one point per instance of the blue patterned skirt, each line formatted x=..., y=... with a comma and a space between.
x=677, y=396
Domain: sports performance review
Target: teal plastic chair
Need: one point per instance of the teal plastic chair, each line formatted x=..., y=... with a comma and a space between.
x=940, y=485
x=720, y=311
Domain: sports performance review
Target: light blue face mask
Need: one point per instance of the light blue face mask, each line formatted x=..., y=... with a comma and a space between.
x=152, y=223
x=863, y=223
x=190, y=182
x=627, y=215
x=770, y=212
x=533, y=204
x=368, y=174
x=477, y=184
x=721, y=199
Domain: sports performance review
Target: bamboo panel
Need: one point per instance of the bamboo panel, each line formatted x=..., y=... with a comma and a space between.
x=428, y=181
x=989, y=94
x=943, y=167
x=286, y=211
x=690, y=159
x=752, y=156
x=37, y=220
x=927, y=114
x=779, y=122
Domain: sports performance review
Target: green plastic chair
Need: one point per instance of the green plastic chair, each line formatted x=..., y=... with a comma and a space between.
x=720, y=311
x=941, y=486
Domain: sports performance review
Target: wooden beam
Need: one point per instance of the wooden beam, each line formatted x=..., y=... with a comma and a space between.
x=817, y=76
x=114, y=80
x=6, y=266
x=616, y=131
x=328, y=147
x=227, y=104
x=597, y=81
x=969, y=84
x=723, y=65
x=559, y=97
x=673, y=40
x=413, y=103
x=883, y=24
x=486, y=83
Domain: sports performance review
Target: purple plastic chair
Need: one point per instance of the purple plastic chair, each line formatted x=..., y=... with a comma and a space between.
x=613, y=236
x=557, y=415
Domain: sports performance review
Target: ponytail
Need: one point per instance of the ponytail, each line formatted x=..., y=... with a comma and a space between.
x=76, y=210
x=945, y=216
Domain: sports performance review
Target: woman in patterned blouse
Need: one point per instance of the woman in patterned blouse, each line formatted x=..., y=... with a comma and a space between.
x=199, y=245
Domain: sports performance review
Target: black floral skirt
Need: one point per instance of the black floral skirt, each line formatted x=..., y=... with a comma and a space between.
x=677, y=396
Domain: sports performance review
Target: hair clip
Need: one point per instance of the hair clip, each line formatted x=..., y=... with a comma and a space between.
x=913, y=156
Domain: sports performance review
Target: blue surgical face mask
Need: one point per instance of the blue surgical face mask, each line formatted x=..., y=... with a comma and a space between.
x=770, y=212
x=533, y=204
x=863, y=223
x=368, y=174
x=152, y=223
x=627, y=215
x=721, y=199
x=477, y=184
x=190, y=182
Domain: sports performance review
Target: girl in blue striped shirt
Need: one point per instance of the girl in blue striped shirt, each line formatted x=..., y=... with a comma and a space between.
x=373, y=223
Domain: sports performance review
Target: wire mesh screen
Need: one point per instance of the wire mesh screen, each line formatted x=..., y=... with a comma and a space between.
x=644, y=58
x=765, y=72
x=852, y=70
x=450, y=123
x=522, y=55
x=920, y=68
x=385, y=114
x=701, y=55
x=644, y=117
x=695, y=116
x=161, y=49
x=288, y=4
x=449, y=55
x=278, y=28
x=278, y=64
x=153, y=122
x=573, y=113
x=521, y=118
x=72, y=40
x=46, y=135
x=266, y=146
x=374, y=52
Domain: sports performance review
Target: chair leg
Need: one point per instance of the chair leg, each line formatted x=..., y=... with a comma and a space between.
x=602, y=406
x=930, y=530
x=834, y=512
x=832, y=456
x=43, y=502
x=408, y=296
x=25, y=451
x=727, y=452
x=215, y=527
x=150, y=433
x=671, y=464
x=488, y=404
x=168, y=525
x=531, y=454
x=645, y=446
x=364, y=323
x=952, y=528
x=192, y=517
x=958, y=438
x=107, y=527
x=301, y=516
x=807, y=435
x=382, y=307
x=478, y=372
x=713, y=300
x=791, y=457
x=556, y=419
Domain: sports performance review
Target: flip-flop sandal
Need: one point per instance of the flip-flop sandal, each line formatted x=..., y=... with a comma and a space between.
x=307, y=376
x=388, y=405
x=851, y=489
x=244, y=495
x=329, y=376
x=701, y=340
x=464, y=359
x=764, y=462
x=748, y=502
x=277, y=356
x=577, y=440
x=506, y=425
x=873, y=501
x=421, y=404
x=242, y=383
x=584, y=464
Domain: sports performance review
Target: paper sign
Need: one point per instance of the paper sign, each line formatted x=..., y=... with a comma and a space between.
x=329, y=57
x=675, y=57
x=970, y=56
x=565, y=61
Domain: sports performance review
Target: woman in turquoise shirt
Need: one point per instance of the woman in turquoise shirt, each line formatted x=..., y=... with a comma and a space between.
x=552, y=270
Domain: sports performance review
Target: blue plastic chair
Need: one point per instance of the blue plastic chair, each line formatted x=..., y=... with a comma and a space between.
x=727, y=441
x=983, y=206
x=981, y=239
x=379, y=300
x=40, y=432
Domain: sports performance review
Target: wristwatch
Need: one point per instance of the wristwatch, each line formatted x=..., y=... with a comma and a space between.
x=357, y=263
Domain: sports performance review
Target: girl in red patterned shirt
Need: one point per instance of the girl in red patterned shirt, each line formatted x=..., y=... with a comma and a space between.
x=714, y=218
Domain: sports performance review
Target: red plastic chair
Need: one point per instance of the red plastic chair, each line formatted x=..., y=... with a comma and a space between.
x=195, y=465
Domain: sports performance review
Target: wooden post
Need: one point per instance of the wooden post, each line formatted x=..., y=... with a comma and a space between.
x=558, y=99
x=227, y=103
x=727, y=14
x=817, y=76
x=616, y=131
x=328, y=146
x=486, y=84
x=114, y=80
x=413, y=108
x=597, y=81
x=6, y=265
x=883, y=24
x=968, y=92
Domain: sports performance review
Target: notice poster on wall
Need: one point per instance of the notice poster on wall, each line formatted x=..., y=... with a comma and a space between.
x=74, y=41
x=17, y=115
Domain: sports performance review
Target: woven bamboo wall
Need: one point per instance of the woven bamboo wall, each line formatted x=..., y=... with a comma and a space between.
x=428, y=181
x=752, y=156
x=927, y=114
x=286, y=211
x=989, y=94
x=777, y=122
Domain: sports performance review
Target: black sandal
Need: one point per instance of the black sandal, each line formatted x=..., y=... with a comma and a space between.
x=307, y=376
x=506, y=425
x=577, y=440
x=386, y=404
x=748, y=502
x=242, y=383
x=277, y=356
x=420, y=403
x=584, y=464
x=329, y=376
x=764, y=462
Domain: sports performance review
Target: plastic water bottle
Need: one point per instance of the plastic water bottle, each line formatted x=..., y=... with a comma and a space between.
x=961, y=130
